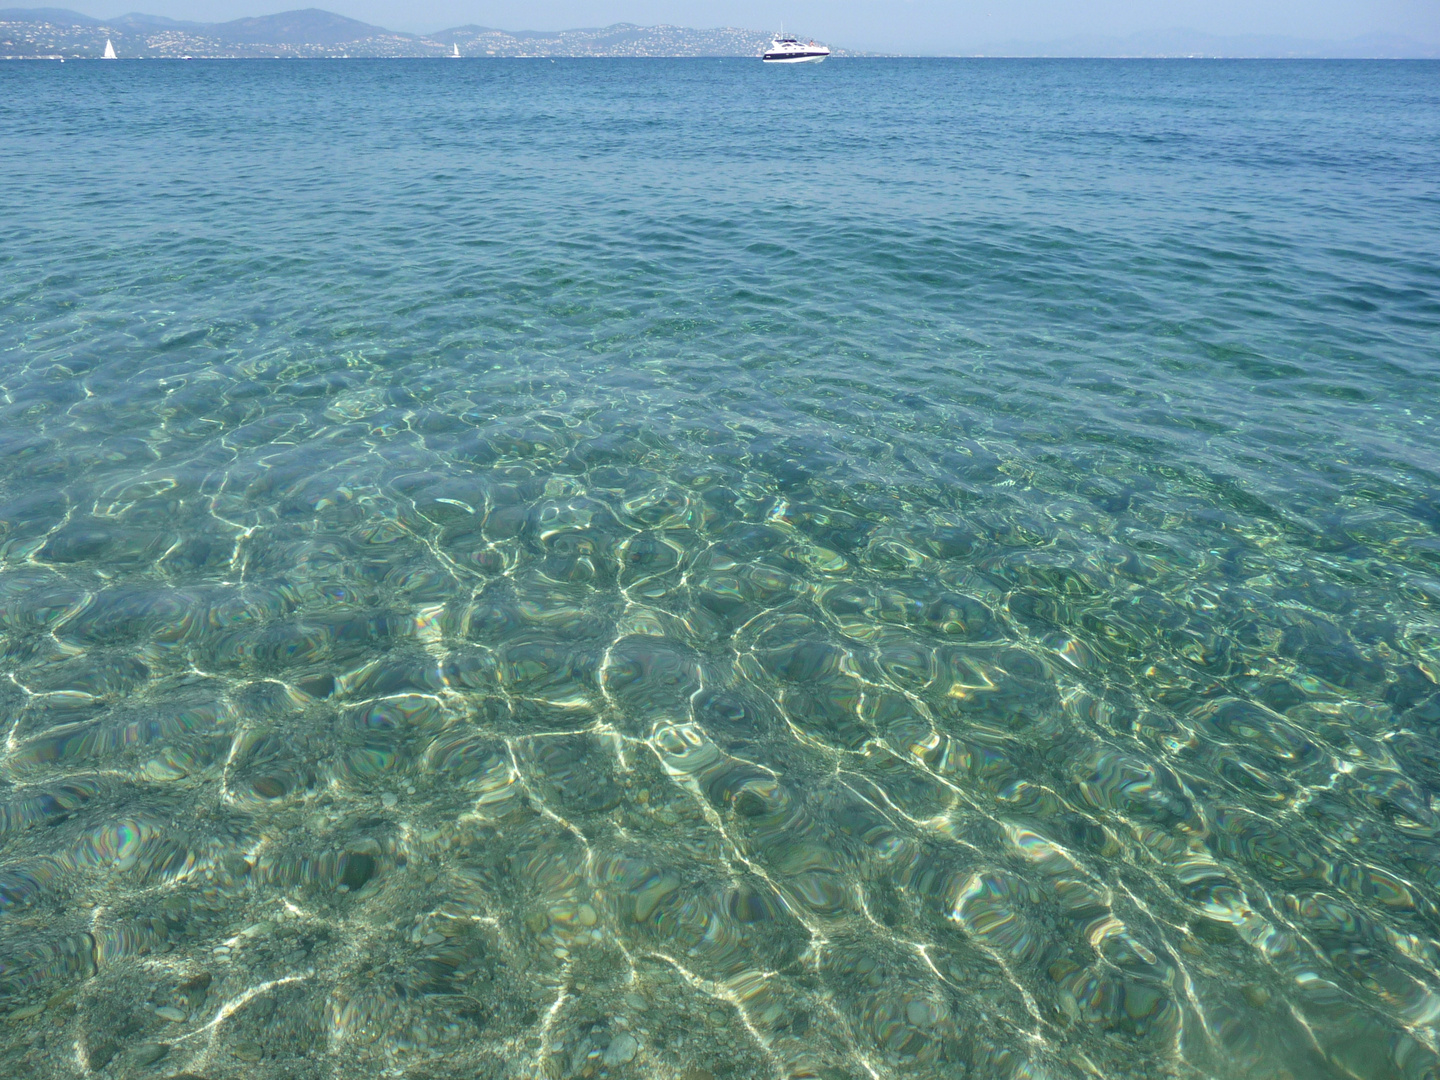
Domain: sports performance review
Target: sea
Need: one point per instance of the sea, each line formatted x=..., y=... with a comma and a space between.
x=697, y=570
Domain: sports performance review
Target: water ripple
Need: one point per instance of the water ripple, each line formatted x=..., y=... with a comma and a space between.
x=504, y=574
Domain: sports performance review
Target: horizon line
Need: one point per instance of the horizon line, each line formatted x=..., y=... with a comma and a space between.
x=49, y=57
x=1168, y=44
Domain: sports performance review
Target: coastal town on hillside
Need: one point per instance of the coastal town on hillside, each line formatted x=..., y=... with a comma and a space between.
x=59, y=34
x=53, y=34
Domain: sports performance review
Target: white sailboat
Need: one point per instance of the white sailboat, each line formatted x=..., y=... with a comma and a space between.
x=456, y=54
x=109, y=50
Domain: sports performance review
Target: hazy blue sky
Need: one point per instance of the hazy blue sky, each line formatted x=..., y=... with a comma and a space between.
x=909, y=25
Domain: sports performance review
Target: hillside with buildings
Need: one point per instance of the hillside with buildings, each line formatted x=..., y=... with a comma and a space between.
x=53, y=33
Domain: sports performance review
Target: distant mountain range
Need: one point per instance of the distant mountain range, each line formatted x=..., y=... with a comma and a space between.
x=1193, y=43
x=56, y=32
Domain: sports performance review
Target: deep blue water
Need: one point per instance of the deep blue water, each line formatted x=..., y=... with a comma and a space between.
x=682, y=568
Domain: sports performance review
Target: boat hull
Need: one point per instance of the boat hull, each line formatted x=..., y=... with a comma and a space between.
x=814, y=58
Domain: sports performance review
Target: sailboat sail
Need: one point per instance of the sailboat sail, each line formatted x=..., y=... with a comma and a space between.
x=109, y=50
x=456, y=54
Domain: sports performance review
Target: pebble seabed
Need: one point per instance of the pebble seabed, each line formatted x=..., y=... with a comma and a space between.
x=555, y=766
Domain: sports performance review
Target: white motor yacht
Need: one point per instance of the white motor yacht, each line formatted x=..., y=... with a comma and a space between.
x=787, y=50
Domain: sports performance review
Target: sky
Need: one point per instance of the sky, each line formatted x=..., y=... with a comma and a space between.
x=930, y=26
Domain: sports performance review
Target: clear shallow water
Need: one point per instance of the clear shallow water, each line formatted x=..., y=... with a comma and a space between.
x=649, y=569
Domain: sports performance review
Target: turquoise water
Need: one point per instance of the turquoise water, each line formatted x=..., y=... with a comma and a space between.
x=690, y=570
